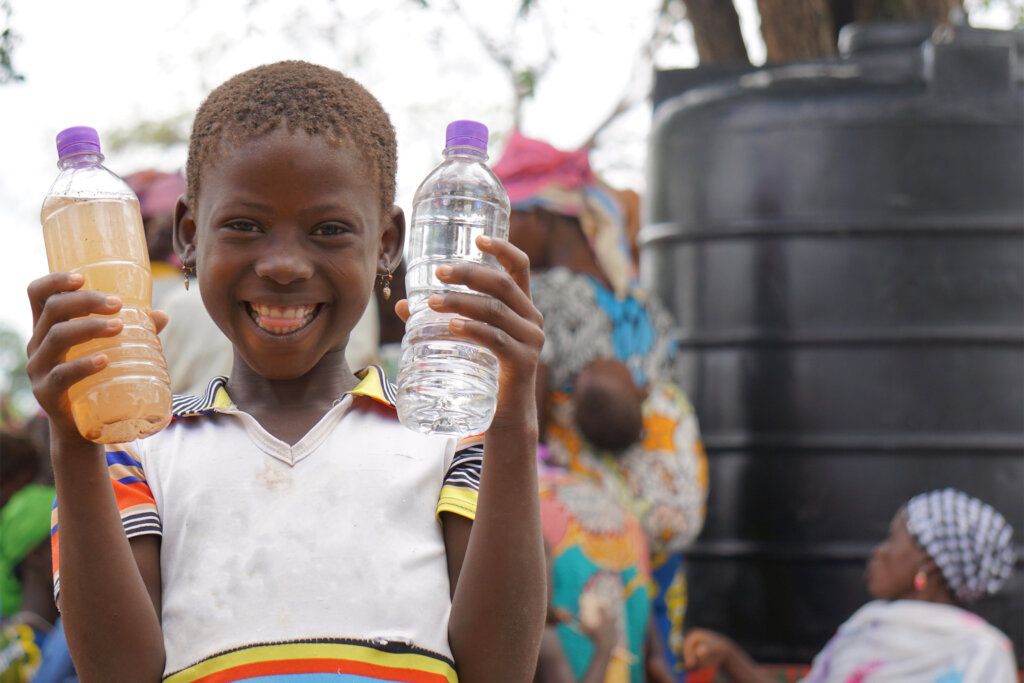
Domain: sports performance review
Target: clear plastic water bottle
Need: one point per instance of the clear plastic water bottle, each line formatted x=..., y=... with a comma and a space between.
x=447, y=385
x=92, y=226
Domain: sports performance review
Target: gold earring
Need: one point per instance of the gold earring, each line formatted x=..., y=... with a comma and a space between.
x=188, y=271
x=384, y=280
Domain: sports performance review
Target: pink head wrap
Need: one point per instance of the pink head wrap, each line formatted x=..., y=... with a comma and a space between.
x=157, y=192
x=528, y=167
x=535, y=173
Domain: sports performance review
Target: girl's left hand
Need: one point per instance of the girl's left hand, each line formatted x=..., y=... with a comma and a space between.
x=506, y=321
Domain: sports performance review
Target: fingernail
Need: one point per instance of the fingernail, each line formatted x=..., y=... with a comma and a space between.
x=436, y=300
x=113, y=301
x=114, y=323
x=444, y=271
x=99, y=360
x=76, y=278
x=483, y=239
x=457, y=323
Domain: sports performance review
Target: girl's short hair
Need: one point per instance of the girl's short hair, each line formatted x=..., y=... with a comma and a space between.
x=303, y=96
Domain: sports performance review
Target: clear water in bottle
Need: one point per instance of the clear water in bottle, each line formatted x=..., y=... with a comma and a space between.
x=447, y=385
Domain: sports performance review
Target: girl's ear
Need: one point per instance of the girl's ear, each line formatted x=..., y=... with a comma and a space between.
x=184, y=232
x=392, y=239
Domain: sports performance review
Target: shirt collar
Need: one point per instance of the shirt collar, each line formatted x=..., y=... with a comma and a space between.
x=373, y=383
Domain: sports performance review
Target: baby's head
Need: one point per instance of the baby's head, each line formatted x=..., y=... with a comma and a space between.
x=608, y=405
x=304, y=97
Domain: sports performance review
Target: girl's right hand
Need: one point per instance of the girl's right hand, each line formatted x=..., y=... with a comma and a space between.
x=62, y=316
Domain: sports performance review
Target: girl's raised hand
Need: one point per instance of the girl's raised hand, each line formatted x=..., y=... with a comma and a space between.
x=62, y=316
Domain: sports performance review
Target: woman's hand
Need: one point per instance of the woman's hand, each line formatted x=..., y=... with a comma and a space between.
x=706, y=649
x=598, y=622
x=702, y=648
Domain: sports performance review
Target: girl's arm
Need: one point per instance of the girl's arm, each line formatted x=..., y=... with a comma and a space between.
x=497, y=561
x=109, y=588
x=543, y=393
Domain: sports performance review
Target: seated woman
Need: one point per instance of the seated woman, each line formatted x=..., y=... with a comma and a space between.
x=944, y=549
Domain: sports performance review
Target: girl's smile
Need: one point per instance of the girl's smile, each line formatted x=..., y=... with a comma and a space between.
x=281, y=320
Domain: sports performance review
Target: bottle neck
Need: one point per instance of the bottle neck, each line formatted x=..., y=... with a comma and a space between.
x=79, y=160
x=465, y=151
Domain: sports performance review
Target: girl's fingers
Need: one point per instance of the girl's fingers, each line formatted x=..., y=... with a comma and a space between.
x=514, y=260
x=402, y=309
x=488, y=312
x=160, y=319
x=41, y=289
x=63, y=306
x=64, y=375
x=499, y=285
x=59, y=338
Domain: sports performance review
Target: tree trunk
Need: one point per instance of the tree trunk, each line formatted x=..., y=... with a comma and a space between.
x=902, y=10
x=716, y=29
x=796, y=29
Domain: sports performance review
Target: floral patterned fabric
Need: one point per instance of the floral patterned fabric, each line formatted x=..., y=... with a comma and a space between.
x=662, y=477
x=598, y=548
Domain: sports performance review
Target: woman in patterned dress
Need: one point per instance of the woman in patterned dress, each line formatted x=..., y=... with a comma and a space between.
x=573, y=228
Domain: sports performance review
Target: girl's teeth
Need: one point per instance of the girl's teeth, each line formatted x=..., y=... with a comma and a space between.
x=281, y=320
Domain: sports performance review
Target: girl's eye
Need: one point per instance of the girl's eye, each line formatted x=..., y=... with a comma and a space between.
x=243, y=226
x=330, y=229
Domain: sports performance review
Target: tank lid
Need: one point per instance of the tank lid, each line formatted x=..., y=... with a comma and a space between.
x=870, y=36
x=465, y=133
x=77, y=140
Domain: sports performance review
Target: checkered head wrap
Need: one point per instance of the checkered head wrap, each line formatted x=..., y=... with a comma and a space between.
x=969, y=540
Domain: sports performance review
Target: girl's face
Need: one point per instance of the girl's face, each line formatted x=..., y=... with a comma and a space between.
x=289, y=239
x=894, y=562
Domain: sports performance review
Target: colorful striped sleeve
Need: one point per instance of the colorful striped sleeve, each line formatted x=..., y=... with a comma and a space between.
x=462, y=480
x=135, y=502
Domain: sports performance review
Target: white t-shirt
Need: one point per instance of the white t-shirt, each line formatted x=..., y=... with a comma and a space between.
x=330, y=550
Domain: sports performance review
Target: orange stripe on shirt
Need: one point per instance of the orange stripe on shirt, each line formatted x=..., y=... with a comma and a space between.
x=309, y=666
x=130, y=495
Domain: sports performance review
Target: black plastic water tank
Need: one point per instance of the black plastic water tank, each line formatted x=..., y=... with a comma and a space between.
x=842, y=244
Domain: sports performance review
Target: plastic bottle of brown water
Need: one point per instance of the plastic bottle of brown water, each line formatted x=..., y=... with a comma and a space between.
x=92, y=225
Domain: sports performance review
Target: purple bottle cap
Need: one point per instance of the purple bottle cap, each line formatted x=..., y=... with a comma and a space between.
x=466, y=133
x=78, y=140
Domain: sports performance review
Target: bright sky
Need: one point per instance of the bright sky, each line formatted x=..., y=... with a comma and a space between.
x=112, y=63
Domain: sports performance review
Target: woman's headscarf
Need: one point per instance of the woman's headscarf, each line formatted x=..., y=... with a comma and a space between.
x=157, y=192
x=535, y=173
x=969, y=541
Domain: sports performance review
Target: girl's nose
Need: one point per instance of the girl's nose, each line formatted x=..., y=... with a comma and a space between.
x=284, y=265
